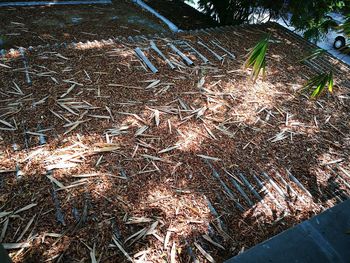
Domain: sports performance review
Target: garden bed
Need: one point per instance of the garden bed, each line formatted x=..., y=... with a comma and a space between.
x=100, y=158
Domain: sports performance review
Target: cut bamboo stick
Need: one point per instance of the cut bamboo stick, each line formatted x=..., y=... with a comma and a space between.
x=226, y=188
x=25, y=63
x=188, y=61
x=274, y=185
x=295, y=180
x=156, y=49
x=224, y=49
x=250, y=187
x=220, y=58
x=245, y=196
x=267, y=192
x=201, y=56
x=143, y=57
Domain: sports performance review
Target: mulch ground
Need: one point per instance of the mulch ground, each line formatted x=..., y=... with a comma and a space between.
x=122, y=173
x=41, y=25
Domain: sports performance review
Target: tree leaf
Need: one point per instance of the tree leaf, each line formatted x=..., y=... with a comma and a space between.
x=319, y=83
x=257, y=58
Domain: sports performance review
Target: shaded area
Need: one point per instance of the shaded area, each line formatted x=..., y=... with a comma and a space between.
x=324, y=238
x=28, y=1
x=51, y=3
x=181, y=14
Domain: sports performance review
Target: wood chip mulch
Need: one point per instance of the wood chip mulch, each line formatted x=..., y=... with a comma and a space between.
x=42, y=25
x=102, y=160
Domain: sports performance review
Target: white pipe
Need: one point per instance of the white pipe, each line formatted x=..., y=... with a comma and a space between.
x=35, y=3
x=170, y=24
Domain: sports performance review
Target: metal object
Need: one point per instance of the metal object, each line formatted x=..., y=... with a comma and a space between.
x=322, y=238
x=171, y=25
x=4, y=257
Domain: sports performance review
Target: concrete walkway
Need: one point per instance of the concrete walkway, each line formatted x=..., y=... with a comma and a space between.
x=323, y=238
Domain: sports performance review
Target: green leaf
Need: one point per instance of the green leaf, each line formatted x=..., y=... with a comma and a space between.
x=314, y=54
x=319, y=84
x=257, y=58
x=330, y=83
x=345, y=27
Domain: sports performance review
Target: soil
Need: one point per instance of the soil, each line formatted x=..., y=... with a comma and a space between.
x=130, y=158
x=181, y=14
x=41, y=25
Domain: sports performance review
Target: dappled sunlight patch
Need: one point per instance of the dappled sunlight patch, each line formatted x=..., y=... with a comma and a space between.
x=292, y=127
x=190, y=138
x=13, y=53
x=256, y=97
x=182, y=208
x=121, y=52
x=71, y=153
x=96, y=44
x=74, y=154
x=333, y=156
x=102, y=185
